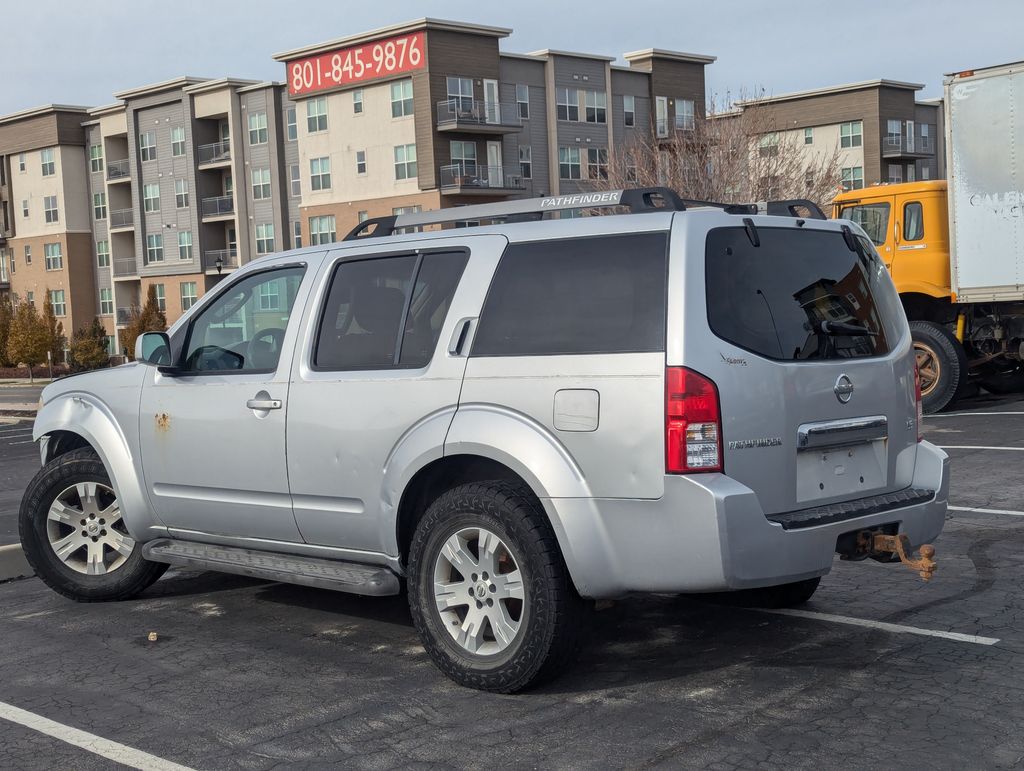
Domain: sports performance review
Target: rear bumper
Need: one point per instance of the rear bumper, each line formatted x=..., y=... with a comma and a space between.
x=708, y=533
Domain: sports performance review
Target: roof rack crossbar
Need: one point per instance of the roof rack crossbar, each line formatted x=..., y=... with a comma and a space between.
x=791, y=208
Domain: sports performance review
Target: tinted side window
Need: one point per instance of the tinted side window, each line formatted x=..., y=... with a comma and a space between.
x=372, y=320
x=913, y=221
x=586, y=295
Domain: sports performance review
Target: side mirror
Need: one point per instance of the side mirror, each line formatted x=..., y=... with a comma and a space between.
x=153, y=348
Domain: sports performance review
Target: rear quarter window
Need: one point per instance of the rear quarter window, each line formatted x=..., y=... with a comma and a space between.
x=603, y=294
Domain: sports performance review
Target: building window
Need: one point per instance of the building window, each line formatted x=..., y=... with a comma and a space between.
x=362, y=216
x=54, y=256
x=185, y=245
x=103, y=254
x=28, y=255
x=294, y=178
x=895, y=172
x=463, y=155
x=111, y=343
x=685, y=120
x=523, y=100
x=853, y=177
x=95, y=158
x=809, y=181
x=926, y=172
x=57, y=301
x=629, y=110
x=808, y=136
x=567, y=104
x=99, y=206
x=147, y=146
x=400, y=210
x=596, y=106
x=161, y=296
x=597, y=163
x=851, y=134
x=316, y=115
x=24, y=208
x=322, y=230
x=177, y=141
x=154, y=248
x=401, y=98
x=631, y=173
x=269, y=296
x=460, y=92
x=188, y=294
x=569, y=162
x=30, y=298
x=257, y=128
x=291, y=129
x=151, y=197
x=893, y=132
x=106, y=302
x=405, y=161
x=181, y=193
x=526, y=161
x=50, y=208
x=768, y=144
x=297, y=234
x=320, y=173
x=21, y=161
x=360, y=161
x=265, y=238
x=48, y=162
x=260, y=184
x=357, y=101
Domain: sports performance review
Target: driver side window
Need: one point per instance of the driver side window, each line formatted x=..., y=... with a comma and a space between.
x=243, y=329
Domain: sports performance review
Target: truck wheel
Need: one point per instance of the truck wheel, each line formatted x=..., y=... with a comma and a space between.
x=489, y=592
x=73, y=534
x=942, y=363
x=782, y=596
x=1004, y=383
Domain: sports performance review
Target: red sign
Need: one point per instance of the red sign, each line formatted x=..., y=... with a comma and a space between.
x=356, y=64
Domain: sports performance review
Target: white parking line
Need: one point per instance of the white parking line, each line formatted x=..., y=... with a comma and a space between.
x=884, y=626
x=977, y=447
x=963, y=414
x=975, y=510
x=119, y=753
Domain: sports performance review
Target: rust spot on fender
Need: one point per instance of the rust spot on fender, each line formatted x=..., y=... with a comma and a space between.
x=163, y=422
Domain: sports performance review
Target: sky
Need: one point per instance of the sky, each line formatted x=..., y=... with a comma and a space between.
x=51, y=54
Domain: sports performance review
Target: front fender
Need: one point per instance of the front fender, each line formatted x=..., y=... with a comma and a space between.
x=83, y=414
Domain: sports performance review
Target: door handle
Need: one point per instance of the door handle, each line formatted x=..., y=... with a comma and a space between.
x=460, y=342
x=263, y=404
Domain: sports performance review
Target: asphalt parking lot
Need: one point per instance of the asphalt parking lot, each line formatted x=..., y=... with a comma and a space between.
x=880, y=670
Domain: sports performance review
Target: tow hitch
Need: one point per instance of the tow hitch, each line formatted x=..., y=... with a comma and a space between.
x=880, y=545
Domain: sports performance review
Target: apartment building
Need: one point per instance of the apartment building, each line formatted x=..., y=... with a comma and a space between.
x=431, y=114
x=44, y=212
x=882, y=132
x=165, y=206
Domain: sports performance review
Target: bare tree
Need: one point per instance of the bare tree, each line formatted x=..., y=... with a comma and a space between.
x=737, y=154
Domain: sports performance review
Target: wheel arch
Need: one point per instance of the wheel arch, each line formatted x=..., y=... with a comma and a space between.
x=921, y=305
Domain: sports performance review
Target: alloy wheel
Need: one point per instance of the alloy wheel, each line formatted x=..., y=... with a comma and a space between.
x=85, y=529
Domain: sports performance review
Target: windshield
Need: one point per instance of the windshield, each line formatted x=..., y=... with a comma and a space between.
x=873, y=217
x=800, y=295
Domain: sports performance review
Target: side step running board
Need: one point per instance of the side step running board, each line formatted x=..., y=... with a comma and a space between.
x=288, y=568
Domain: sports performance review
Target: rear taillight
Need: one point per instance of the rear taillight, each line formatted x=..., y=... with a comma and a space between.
x=917, y=397
x=693, y=423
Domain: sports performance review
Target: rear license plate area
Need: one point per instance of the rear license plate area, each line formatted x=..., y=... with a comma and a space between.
x=852, y=470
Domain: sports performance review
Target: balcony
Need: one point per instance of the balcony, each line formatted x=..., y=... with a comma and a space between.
x=119, y=171
x=470, y=179
x=218, y=207
x=125, y=315
x=214, y=154
x=125, y=267
x=478, y=117
x=120, y=218
x=220, y=259
x=909, y=144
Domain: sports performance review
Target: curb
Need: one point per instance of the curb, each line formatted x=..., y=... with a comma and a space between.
x=13, y=563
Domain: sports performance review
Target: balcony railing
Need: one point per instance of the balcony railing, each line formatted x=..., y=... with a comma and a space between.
x=125, y=266
x=471, y=114
x=124, y=315
x=909, y=142
x=219, y=206
x=219, y=259
x=471, y=177
x=120, y=218
x=118, y=169
x=215, y=152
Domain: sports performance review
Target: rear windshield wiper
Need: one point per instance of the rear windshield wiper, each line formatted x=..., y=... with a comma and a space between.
x=836, y=328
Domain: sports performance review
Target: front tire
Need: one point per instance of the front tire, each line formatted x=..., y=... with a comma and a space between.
x=941, y=362
x=74, y=536
x=489, y=592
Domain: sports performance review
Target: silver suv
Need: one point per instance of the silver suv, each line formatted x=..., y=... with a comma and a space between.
x=511, y=420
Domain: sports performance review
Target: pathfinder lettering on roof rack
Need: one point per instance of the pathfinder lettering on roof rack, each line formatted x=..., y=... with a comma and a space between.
x=581, y=199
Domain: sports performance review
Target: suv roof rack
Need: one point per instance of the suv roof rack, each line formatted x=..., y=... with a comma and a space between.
x=636, y=200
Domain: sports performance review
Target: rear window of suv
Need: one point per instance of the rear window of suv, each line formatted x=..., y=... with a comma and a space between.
x=800, y=295
x=604, y=294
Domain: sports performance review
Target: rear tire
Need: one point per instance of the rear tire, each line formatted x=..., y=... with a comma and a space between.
x=73, y=534
x=942, y=362
x=1005, y=383
x=783, y=596
x=489, y=592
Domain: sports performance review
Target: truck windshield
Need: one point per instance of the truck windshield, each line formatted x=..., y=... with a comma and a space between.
x=873, y=217
x=800, y=295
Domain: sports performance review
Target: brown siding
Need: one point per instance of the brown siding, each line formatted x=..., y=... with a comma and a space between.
x=42, y=131
x=76, y=278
